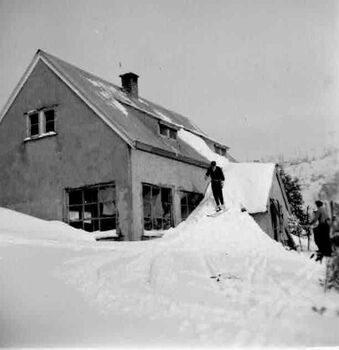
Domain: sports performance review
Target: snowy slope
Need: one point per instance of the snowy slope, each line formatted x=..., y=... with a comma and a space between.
x=318, y=174
x=209, y=282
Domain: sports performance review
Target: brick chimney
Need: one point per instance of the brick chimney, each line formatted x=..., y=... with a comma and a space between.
x=129, y=82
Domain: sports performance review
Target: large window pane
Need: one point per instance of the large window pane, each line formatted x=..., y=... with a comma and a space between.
x=166, y=195
x=106, y=197
x=146, y=192
x=75, y=212
x=75, y=197
x=93, y=208
x=91, y=211
x=91, y=195
x=157, y=203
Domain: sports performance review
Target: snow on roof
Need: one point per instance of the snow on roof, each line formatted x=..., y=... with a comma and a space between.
x=162, y=116
x=246, y=184
x=249, y=185
x=201, y=147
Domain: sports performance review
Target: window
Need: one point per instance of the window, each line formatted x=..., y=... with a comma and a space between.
x=34, y=124
x=167, y=131
x=49, y=121
x=157, y=207
x=188, y=202
x=163, y=130
x=220, y=150
x=92, y=208
x=40, y=123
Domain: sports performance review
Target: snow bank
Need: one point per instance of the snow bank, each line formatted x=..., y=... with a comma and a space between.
x=208, y=282
x=21, y=227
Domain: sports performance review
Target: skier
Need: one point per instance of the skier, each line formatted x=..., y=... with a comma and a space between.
x=322, y=231
x=217, y=182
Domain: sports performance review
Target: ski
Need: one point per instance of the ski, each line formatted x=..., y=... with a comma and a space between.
x=212, y=215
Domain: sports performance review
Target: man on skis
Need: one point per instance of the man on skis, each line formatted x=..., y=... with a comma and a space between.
x=217, y=183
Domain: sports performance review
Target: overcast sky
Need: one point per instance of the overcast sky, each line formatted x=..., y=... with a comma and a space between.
x=259, y=76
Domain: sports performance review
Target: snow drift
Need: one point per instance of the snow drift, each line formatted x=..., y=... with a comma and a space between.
x=209, y=282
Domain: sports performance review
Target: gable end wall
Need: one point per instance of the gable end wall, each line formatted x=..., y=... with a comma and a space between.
x=85, y=151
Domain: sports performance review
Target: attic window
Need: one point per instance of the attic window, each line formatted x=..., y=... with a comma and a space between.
x=34, y=124
x=40, y=123
x=168, y=131
x=220, y=150
x=49, y=120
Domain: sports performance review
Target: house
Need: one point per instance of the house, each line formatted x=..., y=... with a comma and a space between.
x=76, y=148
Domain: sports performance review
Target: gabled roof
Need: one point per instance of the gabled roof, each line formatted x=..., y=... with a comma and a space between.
x=121, y=111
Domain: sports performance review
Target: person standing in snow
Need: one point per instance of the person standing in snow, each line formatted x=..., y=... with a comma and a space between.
x=322, y=231
x=217, y=183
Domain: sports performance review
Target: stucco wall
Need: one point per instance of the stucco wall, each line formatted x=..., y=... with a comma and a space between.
x=161, y=171
x=85, y=151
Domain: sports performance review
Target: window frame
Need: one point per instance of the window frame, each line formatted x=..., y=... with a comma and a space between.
x=169, y=131
x=86, y=206
x=42, y=123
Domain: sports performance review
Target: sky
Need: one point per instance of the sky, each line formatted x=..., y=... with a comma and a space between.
x=261, y=77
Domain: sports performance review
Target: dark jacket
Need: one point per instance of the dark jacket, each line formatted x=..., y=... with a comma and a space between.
x=321, y=216
x=216, y=175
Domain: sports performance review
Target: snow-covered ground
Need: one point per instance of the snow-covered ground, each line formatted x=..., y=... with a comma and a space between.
x=209, y=282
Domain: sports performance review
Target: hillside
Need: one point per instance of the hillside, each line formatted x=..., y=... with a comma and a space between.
x=318, y=173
